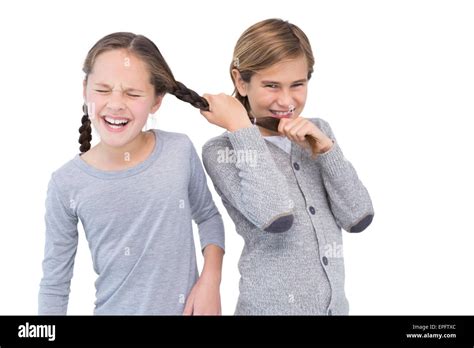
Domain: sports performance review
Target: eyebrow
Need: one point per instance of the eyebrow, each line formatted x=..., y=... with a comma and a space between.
x=127, y=89
x=277, y=83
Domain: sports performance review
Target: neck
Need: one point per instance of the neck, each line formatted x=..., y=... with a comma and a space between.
x=116, y=158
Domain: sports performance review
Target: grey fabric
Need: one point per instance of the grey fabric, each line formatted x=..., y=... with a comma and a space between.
x=301, y=270
x=138, y=224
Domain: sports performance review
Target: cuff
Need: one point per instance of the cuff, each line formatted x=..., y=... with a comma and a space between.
x=333, y=162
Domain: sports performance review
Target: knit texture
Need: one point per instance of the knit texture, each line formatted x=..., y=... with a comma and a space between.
x=294, y=267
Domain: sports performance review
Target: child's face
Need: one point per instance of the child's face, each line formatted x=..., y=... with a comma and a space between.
x=277, y=90
x=120, y=96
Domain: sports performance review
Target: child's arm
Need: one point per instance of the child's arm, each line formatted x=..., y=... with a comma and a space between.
x=243, y=170
x=60, y=250
x=204, y=298
x=349, y=199
x=245, y=176
x=204, y=211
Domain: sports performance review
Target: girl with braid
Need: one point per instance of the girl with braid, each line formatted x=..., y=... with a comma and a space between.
x=288, y=187
x=135, y=193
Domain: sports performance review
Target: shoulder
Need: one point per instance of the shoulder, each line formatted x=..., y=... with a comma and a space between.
x=67, y=170
x=173, y=142
x=217, y=142
x=64, y=178
x=172, y=137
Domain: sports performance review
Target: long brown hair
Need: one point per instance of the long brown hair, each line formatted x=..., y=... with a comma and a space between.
x=266, y=43
x=161, y=76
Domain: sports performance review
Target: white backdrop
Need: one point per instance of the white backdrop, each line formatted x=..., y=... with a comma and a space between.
x=395, y=79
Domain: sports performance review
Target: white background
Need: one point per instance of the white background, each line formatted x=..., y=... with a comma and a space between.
x=395, y=79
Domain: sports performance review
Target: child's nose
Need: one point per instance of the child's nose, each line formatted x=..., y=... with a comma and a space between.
x=116, y=100
x=285, y=99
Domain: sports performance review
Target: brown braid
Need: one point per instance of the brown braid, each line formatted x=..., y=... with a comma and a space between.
x=85, y=132
x=189, y=96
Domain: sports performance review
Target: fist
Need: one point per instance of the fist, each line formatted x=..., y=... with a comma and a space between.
x=225, y=111
x=296, y=129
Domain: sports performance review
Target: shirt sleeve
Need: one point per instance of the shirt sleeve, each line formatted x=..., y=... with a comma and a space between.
x=204, y=211
x=246, y=177
x=349, y=199
x=59, y=253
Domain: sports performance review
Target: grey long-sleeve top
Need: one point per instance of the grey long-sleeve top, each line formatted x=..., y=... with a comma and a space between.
x=289, y=209
x=138, y=224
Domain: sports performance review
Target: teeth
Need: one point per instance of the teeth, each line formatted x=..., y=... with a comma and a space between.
x=115, y=121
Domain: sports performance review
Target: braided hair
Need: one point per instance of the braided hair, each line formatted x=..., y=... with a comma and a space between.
x=189, y=96
x=161, y=76
x=85, y=131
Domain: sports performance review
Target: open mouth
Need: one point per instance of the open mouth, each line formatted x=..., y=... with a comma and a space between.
x=115, y=124
x=282, y=114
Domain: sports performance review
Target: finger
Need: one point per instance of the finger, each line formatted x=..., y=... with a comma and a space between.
x=297, y=130
x=188, y=311
x=281, y=125
x=208, y=98
x=291, y=127
x=305, y=129
x=188, y=308
x=285, y=125
x=206, y=114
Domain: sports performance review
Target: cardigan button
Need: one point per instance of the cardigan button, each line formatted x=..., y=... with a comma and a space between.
x=312, y=210
x=325, y=260
x=296, y=166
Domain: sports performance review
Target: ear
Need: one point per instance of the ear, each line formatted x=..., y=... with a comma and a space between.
x=157, y=104
x=239, y=83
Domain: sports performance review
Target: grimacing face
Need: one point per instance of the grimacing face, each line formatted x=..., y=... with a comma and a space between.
x=120, y=96
x=278, y=91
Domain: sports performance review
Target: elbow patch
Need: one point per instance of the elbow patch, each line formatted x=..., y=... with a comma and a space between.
x=281, y=224
x=362, y=224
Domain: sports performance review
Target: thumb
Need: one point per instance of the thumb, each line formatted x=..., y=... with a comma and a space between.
x=208, y=98
x=207, y=113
